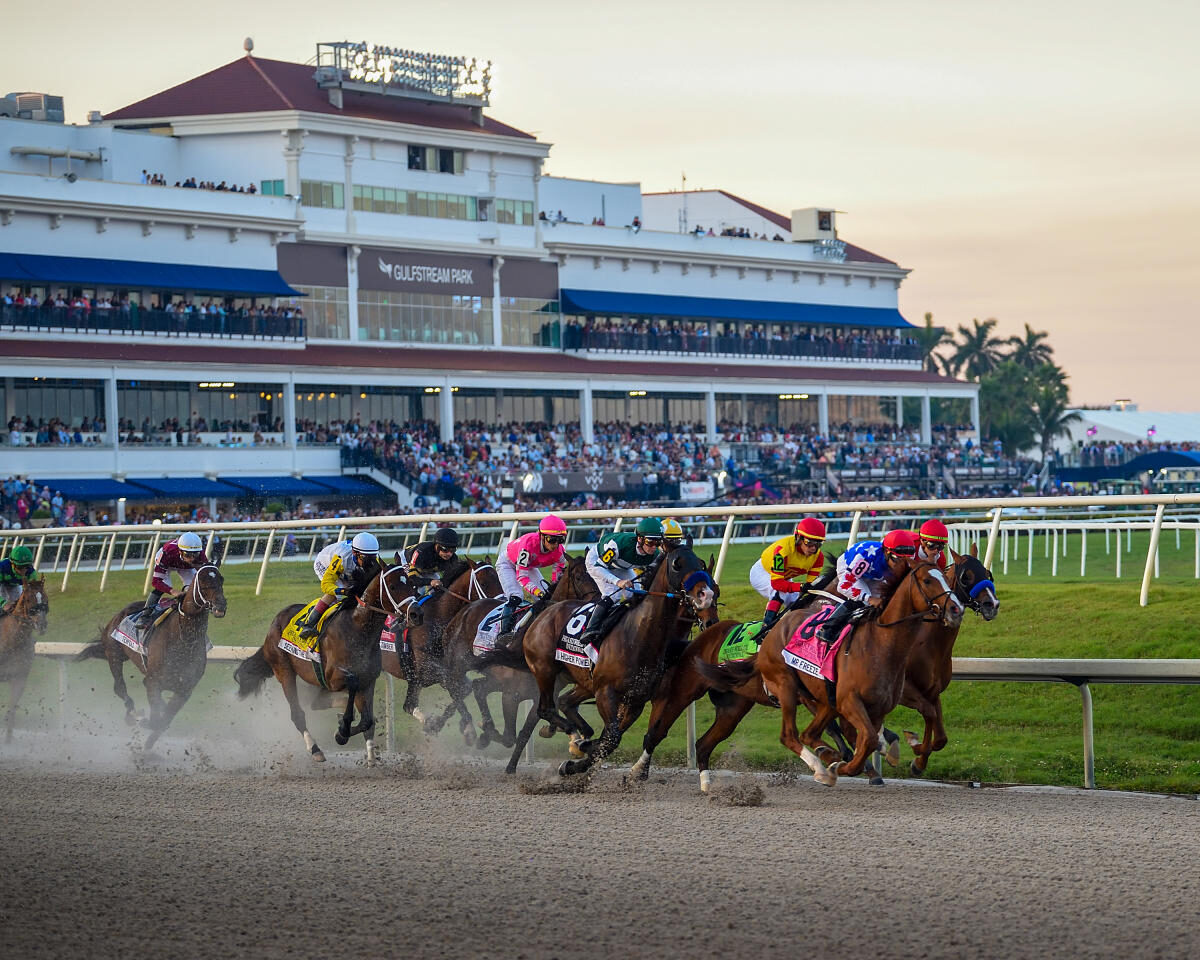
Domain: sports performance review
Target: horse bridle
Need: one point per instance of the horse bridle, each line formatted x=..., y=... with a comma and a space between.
x=39, y=607
x=198, y=597
x=934, y=608
x=384, y=588
x=970, y=598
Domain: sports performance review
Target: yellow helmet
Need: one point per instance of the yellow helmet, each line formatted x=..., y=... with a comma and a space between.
x=672, y=532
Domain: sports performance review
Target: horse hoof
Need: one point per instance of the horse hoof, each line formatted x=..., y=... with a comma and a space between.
x=829, y=777
x=469, y=737
x=546, y=732
x=483, y=740
x=914, y=770
x=567, y=768
x=912, y=739
x=892, y=754
x=578, y=746
x=877, y=782
x=706, y=780
x=340, y=739
x=317, y=755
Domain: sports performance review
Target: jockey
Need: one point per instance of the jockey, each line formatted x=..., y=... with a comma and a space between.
x=15, y=568
x=934, y=537
x=183, y=555
x=615, y=562
x=345, y=569
x=786, y=568
x=519, y=562
x=428, y=560
x=865, y=572
x=672, y=535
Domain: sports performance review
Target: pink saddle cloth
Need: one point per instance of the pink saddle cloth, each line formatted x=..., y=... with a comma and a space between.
x=808, y=653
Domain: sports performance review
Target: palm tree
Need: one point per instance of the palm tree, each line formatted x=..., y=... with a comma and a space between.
x=978, y=352
x=1031, y=350
x=930, y=338
x=1051, y=418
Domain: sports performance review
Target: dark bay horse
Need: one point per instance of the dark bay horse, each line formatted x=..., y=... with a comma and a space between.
x=349, y=661
x=176, y=651
x=930, y=664
x=631, y=659
x=870, y=672
x=17, y=643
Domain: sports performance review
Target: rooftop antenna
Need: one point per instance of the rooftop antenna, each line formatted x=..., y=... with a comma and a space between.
x=683, y=211
x=248, y=45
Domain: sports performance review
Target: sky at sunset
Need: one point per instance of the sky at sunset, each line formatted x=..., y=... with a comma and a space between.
x=1034, y=162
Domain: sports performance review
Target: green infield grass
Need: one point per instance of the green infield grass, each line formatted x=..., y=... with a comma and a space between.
x=1147, y=736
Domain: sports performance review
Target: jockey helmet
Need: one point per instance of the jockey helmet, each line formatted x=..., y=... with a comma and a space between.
x=190, y=545
x=552, y=525
x=446, y=537
x=672, y=532
x=365, y=543
x=900, y=543
x=810, y=528
x=649, y=528
x=935, y=532
x=21, y=557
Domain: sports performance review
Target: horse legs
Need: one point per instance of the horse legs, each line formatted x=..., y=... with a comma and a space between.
x=522, y=739
x=853, y=709
x=935, y=731
x=287, y=680
x=166, y=713
x=569, y=705
x=343, y=734
x=801, y=745
x=365, y=701
x=614, y=714
x=16, y=686
x=730, y=709
x=116, y=663
x=686, y=686
x=480, y=690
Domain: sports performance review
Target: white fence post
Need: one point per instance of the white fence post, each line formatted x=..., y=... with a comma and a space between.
x=719, y=566
x=1083, y=553
x=150, y=561
x=37, y=557
x=992, y=535
x=1029, y=557
x=108, y=555
x=1053, y=552
x=1107, y=545
x=1152, y=553
x=262, y=571
x=1089, y=746
x=70, y=557
x=855, y=521
x=1119, y=551
x=1197, y=560
x=1004, y=536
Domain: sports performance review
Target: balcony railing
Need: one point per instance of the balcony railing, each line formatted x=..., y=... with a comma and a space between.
x=636, y=341
x=147, y=322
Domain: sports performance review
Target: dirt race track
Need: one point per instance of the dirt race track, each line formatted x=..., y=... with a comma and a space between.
x=434, y=859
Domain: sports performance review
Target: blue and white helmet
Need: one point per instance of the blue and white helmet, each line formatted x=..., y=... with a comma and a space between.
x=365, y=543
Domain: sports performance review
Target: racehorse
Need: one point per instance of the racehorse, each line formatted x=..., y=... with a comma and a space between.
x=17, y=643
x=349, y=659
x=930, y=665
x=870, y=671
x=176, y=650
x=631, y=658
x=463, y=583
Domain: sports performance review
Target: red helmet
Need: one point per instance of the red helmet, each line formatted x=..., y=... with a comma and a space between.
x=934, y=531
x=810, y=528
x=900, y=543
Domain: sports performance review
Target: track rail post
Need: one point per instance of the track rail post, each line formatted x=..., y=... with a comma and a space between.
x=1152, y=553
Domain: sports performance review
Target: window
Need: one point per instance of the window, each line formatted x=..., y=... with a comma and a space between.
x=322, y=193
x=419, y=203
x=416, y=158
x=327, y=310
x=424, y=317
x=272, y=188
x=435, y=159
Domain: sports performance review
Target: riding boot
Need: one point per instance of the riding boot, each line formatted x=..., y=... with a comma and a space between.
x=308, y=629
x=840, y=617
x=146, y=615
x=595, y=624
x=773, y=612
x=508, y=620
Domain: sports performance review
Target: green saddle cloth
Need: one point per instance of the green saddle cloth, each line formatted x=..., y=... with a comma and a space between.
x=740, y=644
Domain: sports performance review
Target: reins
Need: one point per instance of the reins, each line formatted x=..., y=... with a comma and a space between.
x=921, y=614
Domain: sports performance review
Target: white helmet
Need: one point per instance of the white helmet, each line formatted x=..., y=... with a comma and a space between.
x=190, y=543
x=365, y=543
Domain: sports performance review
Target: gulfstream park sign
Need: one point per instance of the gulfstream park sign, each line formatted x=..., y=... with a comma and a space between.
x=425, y=273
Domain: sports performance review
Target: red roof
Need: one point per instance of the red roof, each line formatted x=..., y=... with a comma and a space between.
x=852, y=252
x=251, y=85
x=445, y=361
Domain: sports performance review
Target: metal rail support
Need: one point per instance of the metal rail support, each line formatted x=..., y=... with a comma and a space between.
x=150, y=561
x=1083, y=554
x=70, y=557
x=993, y=535
x=719, y=566
x=37, y=557
x=1089, y=742
x=1152, y=553
x=1054, y=552
x=108, y=555
x=1029, y=557
x=855, y=522
x=212, y=534
x=262, y=571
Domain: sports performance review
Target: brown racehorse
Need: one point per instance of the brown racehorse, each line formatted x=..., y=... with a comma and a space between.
x=350, y=659
x=176, y=651
x=466, y=582
x=870, y=671
x=930, y=665
x=17, y=643
x=632, y=656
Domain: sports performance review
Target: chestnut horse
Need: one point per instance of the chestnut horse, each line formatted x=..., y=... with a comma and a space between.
x=176, y=650
x=930, y=665
x=17, y=643
x=631, y=660
x=350, y=659
x=870, y=673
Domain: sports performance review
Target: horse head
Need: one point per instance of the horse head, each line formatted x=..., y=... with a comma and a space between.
x=685, y=572
x=973, y=585
x=207, y=594
x=34, y=603
x=929, y=594
x=390, y=592
x=485, y=582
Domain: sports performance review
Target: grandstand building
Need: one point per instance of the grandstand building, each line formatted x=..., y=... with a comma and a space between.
x=373, y=244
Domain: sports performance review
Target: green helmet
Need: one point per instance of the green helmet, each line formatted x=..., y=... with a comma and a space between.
x=21, y=556
x=649, y=527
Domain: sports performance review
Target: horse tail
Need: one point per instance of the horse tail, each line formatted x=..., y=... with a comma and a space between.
x=94, y=650
x=252, y=673
x=502, y=657
x=727, y=675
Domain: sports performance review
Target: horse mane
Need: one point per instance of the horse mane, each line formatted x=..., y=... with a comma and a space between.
x=456, y=568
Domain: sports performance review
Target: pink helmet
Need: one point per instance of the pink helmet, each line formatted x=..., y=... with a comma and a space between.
x=552, y=525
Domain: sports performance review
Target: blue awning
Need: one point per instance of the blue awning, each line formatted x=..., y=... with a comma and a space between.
x=187, y=487
x=277, y=487
x=708, y=308
x=350, y=486
x=141, y=274
x=93, y=488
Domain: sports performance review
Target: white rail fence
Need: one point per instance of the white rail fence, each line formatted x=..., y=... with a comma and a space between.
x=1079, y=673
x=124, y=547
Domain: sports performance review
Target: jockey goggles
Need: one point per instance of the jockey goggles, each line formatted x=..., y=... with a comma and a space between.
x=555, y=539
x=938, y=545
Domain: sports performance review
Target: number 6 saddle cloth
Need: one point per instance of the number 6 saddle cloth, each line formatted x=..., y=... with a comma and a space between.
x=808, y=653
